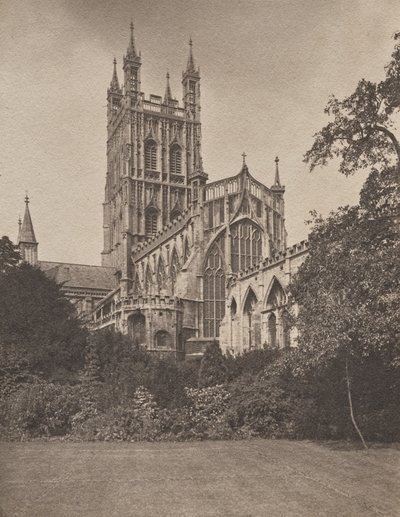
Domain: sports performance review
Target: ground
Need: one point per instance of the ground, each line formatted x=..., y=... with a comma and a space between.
x=244, y=478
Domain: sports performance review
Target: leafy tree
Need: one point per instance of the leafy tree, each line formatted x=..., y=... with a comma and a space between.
x=39, y=323
x=361, y=132
x=213, y=368
x=348, y=288
x=9, y=255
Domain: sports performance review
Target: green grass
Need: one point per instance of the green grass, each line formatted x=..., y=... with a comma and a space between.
x=255, y=477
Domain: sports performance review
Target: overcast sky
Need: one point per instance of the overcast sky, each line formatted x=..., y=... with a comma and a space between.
x=267, y=70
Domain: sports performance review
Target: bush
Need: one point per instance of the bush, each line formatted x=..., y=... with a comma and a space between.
x=40, y=409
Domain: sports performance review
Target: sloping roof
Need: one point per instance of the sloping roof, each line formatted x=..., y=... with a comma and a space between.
x=80, y=275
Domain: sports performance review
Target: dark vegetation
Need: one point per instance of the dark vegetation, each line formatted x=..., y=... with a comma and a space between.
x=341, y=380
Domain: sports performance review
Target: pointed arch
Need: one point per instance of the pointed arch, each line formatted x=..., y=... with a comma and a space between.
x=150, y=154
x=151, y=217
x=251, y=320
x=161, y=273
x=175, y=159
x=276, y=295
x=175, y=214
x=214, y=287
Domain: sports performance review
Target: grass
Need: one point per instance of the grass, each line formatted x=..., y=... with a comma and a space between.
x=246, y=478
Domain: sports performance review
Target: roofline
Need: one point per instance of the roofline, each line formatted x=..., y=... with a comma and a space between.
x=74, y=264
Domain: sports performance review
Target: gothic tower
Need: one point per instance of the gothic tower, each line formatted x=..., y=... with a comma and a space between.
x=27, y=243
x=153, y=159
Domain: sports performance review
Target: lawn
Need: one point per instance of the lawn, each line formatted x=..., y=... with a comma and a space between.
x=244, y=478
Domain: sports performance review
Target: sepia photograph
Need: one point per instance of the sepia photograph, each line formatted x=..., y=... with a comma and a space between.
x=199, y=258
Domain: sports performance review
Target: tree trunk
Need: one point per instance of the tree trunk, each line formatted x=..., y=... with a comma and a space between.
x=351, y=406
x=394, y=141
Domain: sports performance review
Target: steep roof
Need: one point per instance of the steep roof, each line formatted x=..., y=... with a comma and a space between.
x=80, y=275
x=26, y=233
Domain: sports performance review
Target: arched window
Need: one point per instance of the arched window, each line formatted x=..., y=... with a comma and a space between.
x=174, y=268
x=246, y=245
x=251, y=321
x=150, y=155
x=151, y=222
x=175, y=214
x=186, y=251
x=137, y=328
x=163, y=339
x=161, y=277
x=233, y=308
x=271, y=328
x=175, y=160
x=214, y=288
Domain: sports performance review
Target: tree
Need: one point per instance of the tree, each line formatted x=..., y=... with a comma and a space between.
x=348, y=288
x=9, y=255
x=39, y=323
x=213, y=369
x=361, y=132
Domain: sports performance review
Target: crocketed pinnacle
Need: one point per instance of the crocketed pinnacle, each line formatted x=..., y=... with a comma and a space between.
x=168, y=95
x=190, y=63
x=131, y=52
x=114, y=85
x=26, y=233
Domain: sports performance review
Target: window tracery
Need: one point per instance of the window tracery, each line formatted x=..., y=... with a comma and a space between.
x=214, y=288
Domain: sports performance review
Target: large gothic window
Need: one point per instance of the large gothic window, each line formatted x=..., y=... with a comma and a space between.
x=276, y=296
x=214, y=288
x=150, y=155
x=175, y=160
x=151, y=222
x=246, y=245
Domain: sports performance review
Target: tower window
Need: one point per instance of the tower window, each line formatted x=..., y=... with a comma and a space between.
x=151, y=222
x=150, y=156
x=175, y=160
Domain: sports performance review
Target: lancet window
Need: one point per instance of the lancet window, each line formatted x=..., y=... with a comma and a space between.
x=175, y=160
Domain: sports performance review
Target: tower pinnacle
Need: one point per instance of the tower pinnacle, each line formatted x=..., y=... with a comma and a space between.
x=190, y=63
x=277, y=182
x=114, y=85
x=27, y=243
x=168, y=95
x=131, y=52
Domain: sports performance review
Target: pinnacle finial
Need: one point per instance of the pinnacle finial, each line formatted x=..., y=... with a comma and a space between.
x=244, y=158
x=190, y=63
x=114, y=85
x=131, y=52
x=168, y=94
x=277, y=182
x=27, y=199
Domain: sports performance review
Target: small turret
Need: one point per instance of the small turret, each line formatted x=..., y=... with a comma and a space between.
x=168, y=94
x=132, y=64
x=191, y=86
x=27, y=243
x=114, y=85
x=277, y=187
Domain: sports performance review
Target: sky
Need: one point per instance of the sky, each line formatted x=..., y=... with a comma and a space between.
x=267, y=71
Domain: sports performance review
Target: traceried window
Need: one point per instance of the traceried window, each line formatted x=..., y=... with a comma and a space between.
x=151, y=222
x=150, y=155
x=214, y=288
x=246, y=245
x=175, y=160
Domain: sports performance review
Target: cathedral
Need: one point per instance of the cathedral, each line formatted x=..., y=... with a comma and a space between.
x=186, y=262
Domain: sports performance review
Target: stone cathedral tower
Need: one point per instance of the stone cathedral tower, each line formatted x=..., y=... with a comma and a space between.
x=153, y=160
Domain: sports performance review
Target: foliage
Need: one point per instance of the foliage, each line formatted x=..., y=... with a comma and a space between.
x=9, y=255
x=39, y=323
x=361, y=133
x=40, y=409
x=213, y=368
